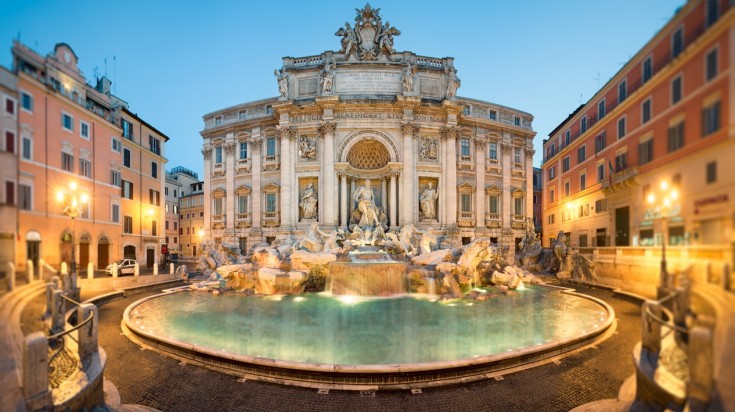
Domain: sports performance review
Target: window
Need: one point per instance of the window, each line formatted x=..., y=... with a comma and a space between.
x=600, y=142
x=84, y=129
x=218, y=155
x=647, y=69
x=154, y=170
x=176, y=225
x=622, y=91
x=565, y=164
x=601, y=109
x=270, y=147
x=581, y=154
x=26, y=102
x=9, y=192
x=25, y=201
x=116, y=145
x=67, y=122
x=115, y=215
x=711, y=118
x=600, y=173
x=9, y=106
x=551, y=195
x=567, y=137
x=115, y=178
x=126, y=157
x=600, y=205
x=517, y=158
x=676, y=90
x=154, y=228
x=583, y=124
x=464, y=148
x=566, y=189
x=711, y=65
x=645, y=151
x=712, y=12
x=677, y=42
x=154, y=197
x=217, y=120
x=27, y=148
x=465, y=202
x=67, y=162
x=493, y=154
x=676, y=136
x=518, y=205
x=167, y=210
x=711, y=172
x=517, y=120
x=621, y=127
x=242, y=114
x=243, y=150
x=551, y=219
x=242, y=204
x=646, y=111
x=127, y=224
x=176, y=209
x=218, y=206
x=85, y=168
x=467, y=110
x=154, y=144
x=621, y=161
x=127, y=189
x=494, y=204
x=268, y=109
x=9, y=141
x=552, y=172
x=175, y=193
x=270, y=202
x=492, y=115
x=582, y=181
x=127, y=129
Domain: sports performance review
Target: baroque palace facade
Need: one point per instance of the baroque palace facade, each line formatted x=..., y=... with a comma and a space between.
x=367, y=116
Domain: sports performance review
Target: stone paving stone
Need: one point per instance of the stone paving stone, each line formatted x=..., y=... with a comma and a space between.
x=148, y=378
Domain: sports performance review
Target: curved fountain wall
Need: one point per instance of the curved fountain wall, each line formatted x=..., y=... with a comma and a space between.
x=364, y=376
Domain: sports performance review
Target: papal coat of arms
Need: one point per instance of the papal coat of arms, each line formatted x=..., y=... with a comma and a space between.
x=369, y=38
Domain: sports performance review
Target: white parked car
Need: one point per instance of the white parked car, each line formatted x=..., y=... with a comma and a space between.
x=124, y=267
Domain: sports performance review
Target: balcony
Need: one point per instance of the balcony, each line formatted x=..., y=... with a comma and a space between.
x=620, y=180
x=466, y=219
x=271, y=219
x=271, y=162
x=243, y=220
x=219, y=221
x=243, y=166
x=492, y=220
x=218, y=170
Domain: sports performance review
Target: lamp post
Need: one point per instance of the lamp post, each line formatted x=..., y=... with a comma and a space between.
x=72, y=205
x=661, y=204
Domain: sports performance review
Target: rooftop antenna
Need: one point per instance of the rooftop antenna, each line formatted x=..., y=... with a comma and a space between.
x=598, y=80
x=580, y=98
x=114, y=75
x=105, y=66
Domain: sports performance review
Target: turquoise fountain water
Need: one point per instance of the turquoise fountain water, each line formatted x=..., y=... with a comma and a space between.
x=349, y=330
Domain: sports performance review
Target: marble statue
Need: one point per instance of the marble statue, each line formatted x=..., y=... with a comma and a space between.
x=560, y=253
x=312, y=241
x=427, y=202
x=385, y=38
x=365, y=198
x=330, y=240
x=427, y=239
x=282, y=82
x=529, y=249
x=453, y=82
x=407, y=77
x=327, y=78
x=403, y=240
x=349, y=41
x=308, y=202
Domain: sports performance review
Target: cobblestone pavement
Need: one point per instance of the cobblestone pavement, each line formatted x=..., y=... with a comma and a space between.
x=148, y=378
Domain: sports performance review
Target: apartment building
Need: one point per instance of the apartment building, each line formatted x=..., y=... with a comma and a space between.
x=191, y=216
x=661, y=128
x=178, y=183
x=9, y=171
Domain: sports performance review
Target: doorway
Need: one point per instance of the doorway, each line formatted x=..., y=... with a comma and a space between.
x=622, y=226
x=150, y=256
x=194, y=250
x=103, y=253
x=83, y=251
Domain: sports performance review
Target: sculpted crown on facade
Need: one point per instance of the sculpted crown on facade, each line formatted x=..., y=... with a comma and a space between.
x=370, y=38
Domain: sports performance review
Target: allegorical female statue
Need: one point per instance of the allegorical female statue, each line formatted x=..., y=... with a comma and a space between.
x=308, y=203
x=427, y=202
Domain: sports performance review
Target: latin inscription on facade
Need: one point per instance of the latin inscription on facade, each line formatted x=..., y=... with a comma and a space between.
x=368, y=82
x=303, y=118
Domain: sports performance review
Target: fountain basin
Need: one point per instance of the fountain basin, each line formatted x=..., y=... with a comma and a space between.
x=358, y=343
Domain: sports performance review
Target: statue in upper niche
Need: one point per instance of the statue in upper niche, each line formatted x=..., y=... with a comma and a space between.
x=370, y=38
x=453, y=82
x=282, y=82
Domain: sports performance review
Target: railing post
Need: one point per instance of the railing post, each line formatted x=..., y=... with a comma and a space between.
x=651, y=331
x=57, y=311
x=90, y=270
x=87, y=334
x=171, y=269
x=35, y=372
x=726, y=281
x=29, y=270
x=11, y=277
x=701, y=363
x=682, y=302
x=50, y=288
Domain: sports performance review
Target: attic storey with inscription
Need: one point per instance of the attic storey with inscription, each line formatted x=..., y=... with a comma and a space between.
x=367, y=114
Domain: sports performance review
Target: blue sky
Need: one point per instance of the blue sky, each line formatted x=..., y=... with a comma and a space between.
x=175, y=61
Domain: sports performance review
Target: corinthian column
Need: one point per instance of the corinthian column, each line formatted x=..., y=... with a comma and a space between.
x=480, y=174
x=287, y=173
x=408, y=175
x=449, y=135
x=344, y=198
x=328, y=213
x=255, y=144
x=207, y=154
x=529, y=182
x=392, y=208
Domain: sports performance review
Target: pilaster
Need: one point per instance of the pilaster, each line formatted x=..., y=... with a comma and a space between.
x=230, y=165
x=449, y=138
x=408, y=176
x=255, y=144
x=328, y=213
x=207, y=155
x=480, y=146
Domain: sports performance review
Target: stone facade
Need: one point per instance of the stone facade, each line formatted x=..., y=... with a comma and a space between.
x=363, y=113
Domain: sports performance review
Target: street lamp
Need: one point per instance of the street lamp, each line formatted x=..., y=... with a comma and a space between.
x=73, y=204
x=661, y=205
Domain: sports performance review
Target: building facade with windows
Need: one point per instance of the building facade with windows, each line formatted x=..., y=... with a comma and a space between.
x=9, y=170
x=538, y=207
x=178, y=184
x=72, y=132
x=666, y=118
x=191, y=215
x=367, y=115
x=143, y=185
